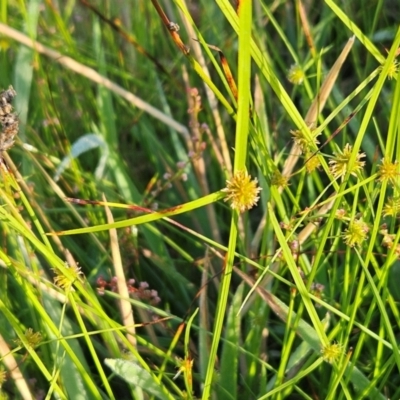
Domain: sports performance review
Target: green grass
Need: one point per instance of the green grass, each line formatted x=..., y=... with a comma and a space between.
x=148, y=284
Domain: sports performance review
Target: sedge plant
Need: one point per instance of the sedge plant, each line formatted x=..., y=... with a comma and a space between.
x=201, y=200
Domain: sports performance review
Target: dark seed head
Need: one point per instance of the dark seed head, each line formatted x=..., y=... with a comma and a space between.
x=8, y=119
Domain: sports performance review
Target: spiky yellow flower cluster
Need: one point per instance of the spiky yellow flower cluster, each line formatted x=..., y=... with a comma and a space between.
x=332, y=352
x=185, y=366
x=33, y=339
x=241, y=191
x=312, y=162
x=66, y=282
x=306, y=145
x=340, y=163
x=277, y=179
x=388, y=171
x=356, y=233
x=392, y=207
x=393, y=70
x=296, y=74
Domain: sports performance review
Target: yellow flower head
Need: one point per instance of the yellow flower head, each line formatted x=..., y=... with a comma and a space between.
x=66, y=282
x=340, y=162
x=241, y=191
x=185, y=366
x=392, y=207
x=332, y=352
x=306, y=145
x=393, y=70
x=388, y=171
x=33, y=338
x=296, y=75
x=312, y=162
x=277, y=179
x=356, y=233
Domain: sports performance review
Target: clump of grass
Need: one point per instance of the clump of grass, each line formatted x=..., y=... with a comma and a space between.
x=192, y=225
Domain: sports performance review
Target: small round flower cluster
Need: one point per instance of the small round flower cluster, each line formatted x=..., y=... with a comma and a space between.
x=66, y=282
x=296, y=74
x=278, y=180
x=339, y=164
x=241, y=191
x=307, y=144
x=141, y=290
x=32, y=339
x=393, y=70
x=357, y=230
x=356, y=233
x=392, y=207
x=332, y=352
x=388, y=172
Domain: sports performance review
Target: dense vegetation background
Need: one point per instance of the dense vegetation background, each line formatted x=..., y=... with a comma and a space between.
x=126, y=270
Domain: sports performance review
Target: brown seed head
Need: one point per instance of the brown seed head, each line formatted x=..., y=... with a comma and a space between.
x=8, y=119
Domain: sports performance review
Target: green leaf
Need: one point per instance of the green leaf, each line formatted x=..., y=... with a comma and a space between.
x=227, y=388
x=137, y=376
